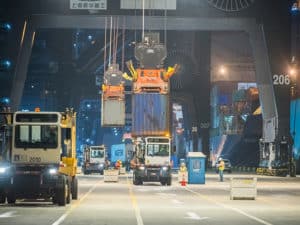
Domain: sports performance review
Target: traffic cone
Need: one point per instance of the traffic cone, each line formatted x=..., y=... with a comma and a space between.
x=183, y=182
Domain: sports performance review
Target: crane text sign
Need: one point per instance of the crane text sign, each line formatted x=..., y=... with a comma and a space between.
x=281, y=79
x=88, y=4
x=153, y=4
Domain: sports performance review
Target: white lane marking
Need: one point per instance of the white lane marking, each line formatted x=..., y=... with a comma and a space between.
x=8, y=214
x=166, y=195
x=177, y=204
x=60, y=219
x=194, y=216
x=175, y=201
x=231, y=208
x=64, y=216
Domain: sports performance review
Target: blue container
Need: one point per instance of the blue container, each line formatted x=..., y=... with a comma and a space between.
x=196, y=167
x=150, y=114
x=224, y=99
x=118, y=152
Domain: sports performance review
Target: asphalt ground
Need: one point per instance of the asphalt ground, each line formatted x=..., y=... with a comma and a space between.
x=122, y=203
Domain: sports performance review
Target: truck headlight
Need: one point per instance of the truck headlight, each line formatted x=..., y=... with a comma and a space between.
x=52, y=171
x=3, y=170
x=164, y=168
x=101, y=165
x=142, y=168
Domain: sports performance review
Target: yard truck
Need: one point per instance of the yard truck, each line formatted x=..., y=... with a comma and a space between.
x=41, y=159
x=94, y=160
x=152, y=160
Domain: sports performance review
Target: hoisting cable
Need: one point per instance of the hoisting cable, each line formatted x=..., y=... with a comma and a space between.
x=110, y=39
x=165, y=23
x=114, y=41
x=143, y=19
x=105, y=33
x=135, y=21
x=123, y=43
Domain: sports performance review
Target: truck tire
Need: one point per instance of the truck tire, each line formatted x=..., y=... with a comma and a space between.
x=137, y=180
x=163, y=182
x=61, y=192
x=169, y=181
x=75, y=188
x=54, y=199
x=68, y=200
x=11, y=197
x=140, y=181
x=134, y=179
x=2, y=197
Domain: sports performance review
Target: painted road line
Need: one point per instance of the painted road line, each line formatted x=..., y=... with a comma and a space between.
x=175, y=201
x=137, y=211
x=8, y=214
x=194, y=216
x=75, y=205
x=230, y=207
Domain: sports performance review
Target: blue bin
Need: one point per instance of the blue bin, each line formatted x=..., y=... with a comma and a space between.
x=196, y=167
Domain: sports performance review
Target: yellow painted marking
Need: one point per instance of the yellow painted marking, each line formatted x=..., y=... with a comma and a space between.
x=138, y=216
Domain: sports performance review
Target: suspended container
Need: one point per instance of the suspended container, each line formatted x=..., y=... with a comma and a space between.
x=150, y=114
x=112, y=113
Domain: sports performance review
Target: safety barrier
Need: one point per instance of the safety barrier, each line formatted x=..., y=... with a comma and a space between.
x=243, y=188
x=182, y=176
x=122, y=170
x=111, y=175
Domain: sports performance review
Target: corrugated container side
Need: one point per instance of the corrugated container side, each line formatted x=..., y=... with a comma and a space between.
x=113, y=113
x=150, y=114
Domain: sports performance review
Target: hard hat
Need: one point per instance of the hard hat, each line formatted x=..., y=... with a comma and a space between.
x=220, y=158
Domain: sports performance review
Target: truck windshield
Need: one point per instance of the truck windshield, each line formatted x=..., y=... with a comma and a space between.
x=97, y=154
x=36, y=136
x=158, y=150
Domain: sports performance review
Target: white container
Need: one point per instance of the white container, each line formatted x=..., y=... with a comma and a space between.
x=113, y=113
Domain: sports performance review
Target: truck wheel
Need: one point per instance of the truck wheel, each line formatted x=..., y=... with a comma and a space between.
x=54, y=199
x=11, y=197
x=140, y=181
x=68, y=200
x=2, y=197
x=61, y=193
x=75, y=188
x=169, y=181
x=137, y=180
x=163, y=182
x=134, y=179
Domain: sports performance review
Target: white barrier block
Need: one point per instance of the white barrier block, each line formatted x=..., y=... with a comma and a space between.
x=111, y=175
x=122, y=170
x=243, y=188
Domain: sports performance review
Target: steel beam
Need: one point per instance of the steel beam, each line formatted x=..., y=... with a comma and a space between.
x=152, y=23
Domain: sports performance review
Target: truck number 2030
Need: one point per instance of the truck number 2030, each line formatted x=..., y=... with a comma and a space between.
x=35, y=159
